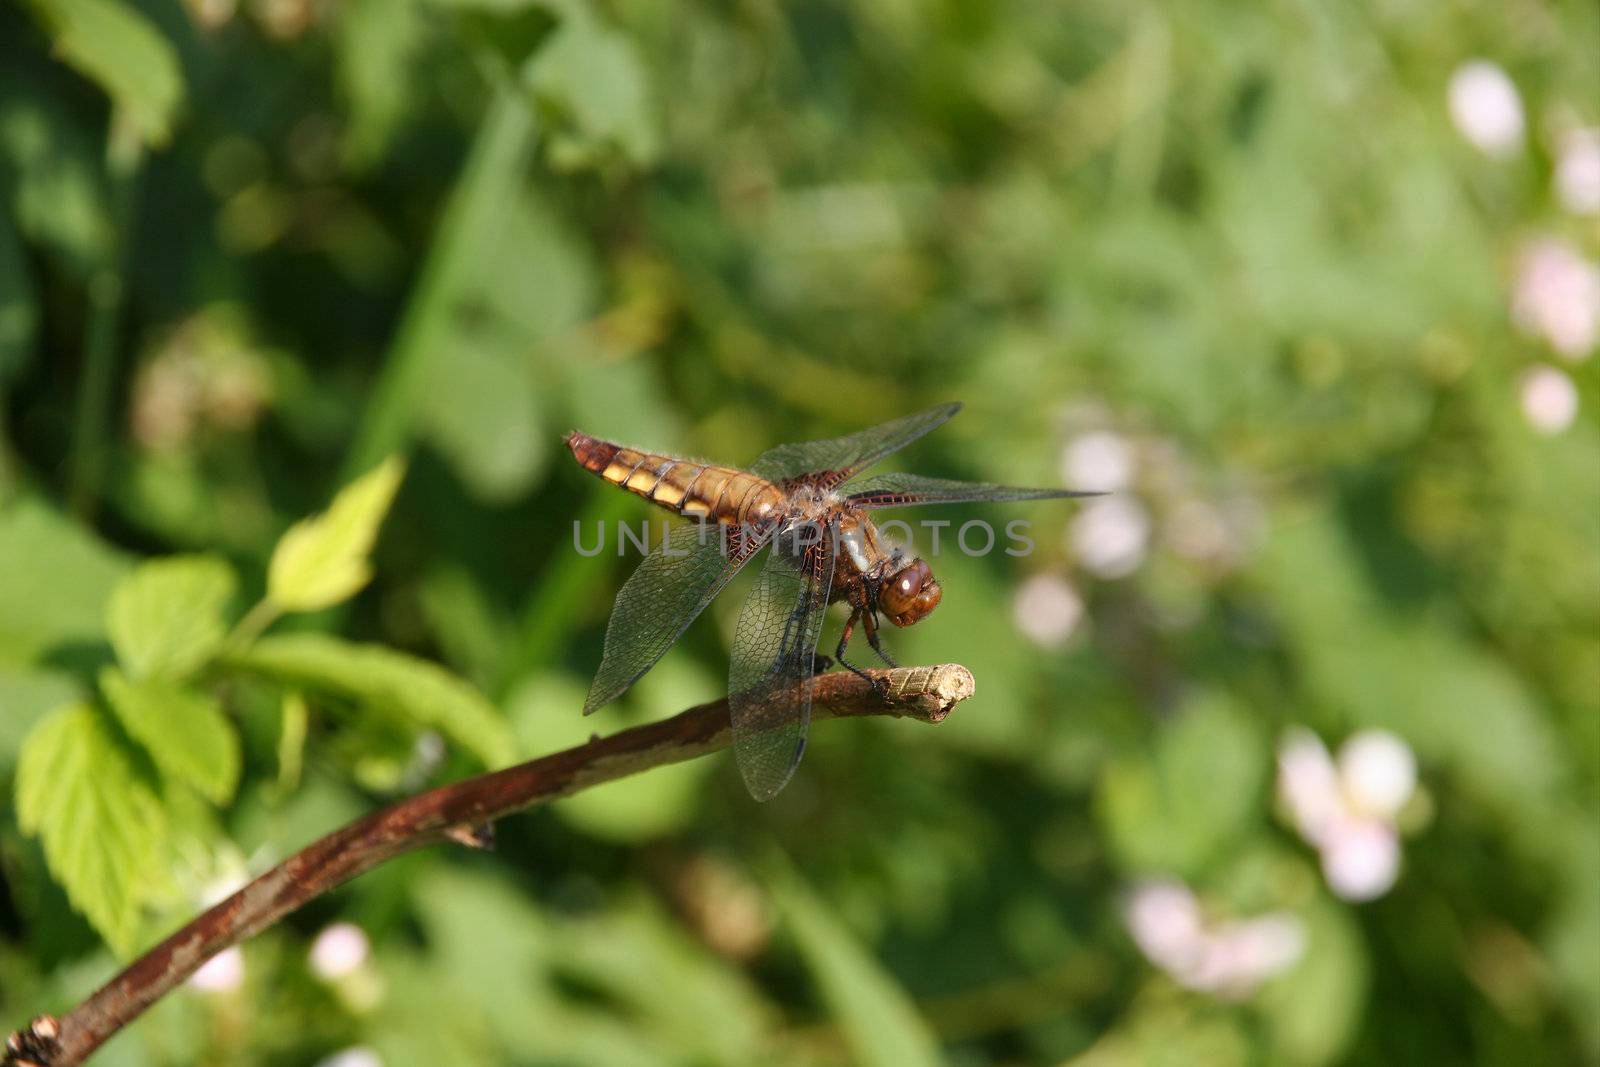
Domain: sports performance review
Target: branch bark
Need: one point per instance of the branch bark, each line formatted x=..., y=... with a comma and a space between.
x=463, y=811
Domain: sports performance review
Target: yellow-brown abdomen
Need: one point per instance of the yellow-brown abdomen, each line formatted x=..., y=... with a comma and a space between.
x=695, y=490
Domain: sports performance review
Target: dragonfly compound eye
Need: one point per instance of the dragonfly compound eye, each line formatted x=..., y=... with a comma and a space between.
x=909, y=594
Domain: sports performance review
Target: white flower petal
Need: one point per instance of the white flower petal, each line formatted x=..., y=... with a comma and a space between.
x=1557, y=296
x=1378, y=773
x=1165, y=921
x=1549, y=399
x=1110, y=536
x=1486, y=108
x=1361, y=859
x=1101, y=461
x=1578, y=171
x=1047, y=609
x=222, y=973
x=339, y=950
x=355, y=1056
x=1309, y=784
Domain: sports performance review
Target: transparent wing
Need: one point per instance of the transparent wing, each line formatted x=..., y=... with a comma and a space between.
x=832, y=461
x=672, y=586
x=896, y=490
x=774, y=650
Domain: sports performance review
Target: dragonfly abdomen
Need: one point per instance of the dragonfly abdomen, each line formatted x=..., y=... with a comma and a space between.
x=694, y=490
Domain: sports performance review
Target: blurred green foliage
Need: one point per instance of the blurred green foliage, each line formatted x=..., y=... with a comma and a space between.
x=249, y=251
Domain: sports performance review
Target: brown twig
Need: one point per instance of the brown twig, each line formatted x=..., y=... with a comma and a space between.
x=462, y=811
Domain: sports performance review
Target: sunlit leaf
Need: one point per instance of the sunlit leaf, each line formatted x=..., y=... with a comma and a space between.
x=185, y=731
x=423, y=692
x=117, y=47
x=99, y=822
x=166, y=617
x=323, y=560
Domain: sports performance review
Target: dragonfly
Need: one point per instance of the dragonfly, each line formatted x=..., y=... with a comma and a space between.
x=809, y=507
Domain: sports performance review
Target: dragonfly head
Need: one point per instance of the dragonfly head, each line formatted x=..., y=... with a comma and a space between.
x=909, y=594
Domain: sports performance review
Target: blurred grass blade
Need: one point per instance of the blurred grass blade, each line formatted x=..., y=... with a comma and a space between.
x=493, y=171
x=19, y=314
x=880, y=1023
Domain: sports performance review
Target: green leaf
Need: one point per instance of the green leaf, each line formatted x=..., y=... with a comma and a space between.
x=118, y=48
x=594, y=89
x=377, y=40
x=165, y=619
x=26, y=696
x=424, y=692
x=186, y=732
x=880, y=1023
x=1315, y=1009
x=1180, y=810
x=56, y=192
x=482, y=410
x=54, y=580
x=99, y=823
x=323, y=560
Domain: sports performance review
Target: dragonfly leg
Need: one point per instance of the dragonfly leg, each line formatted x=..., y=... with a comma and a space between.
x=870, y=624
x=844, y=641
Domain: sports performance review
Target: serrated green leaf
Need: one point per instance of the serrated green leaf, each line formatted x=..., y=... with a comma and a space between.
x=165, y=619
x=100, y=825
x=118, y=48
x=186, y=732
x=879, y=1020
x=372, y=674
x=323, y=560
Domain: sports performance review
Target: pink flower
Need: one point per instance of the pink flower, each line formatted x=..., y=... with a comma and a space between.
x=1228, y=958
x=1578, y=171
x=1557, y=296
x=1347, y=809
x=1549, y=399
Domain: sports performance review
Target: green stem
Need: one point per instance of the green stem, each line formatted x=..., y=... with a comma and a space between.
x=493, y=172
x=254, y=624
x=107, y=292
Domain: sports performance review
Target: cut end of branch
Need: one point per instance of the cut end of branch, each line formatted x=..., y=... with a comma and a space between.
x=34, y=1047
x=927, y=694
